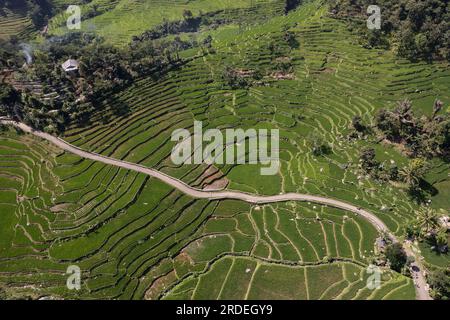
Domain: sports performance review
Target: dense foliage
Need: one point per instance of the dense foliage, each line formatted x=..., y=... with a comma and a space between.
x=208, y=21
x=416, y=29
x=38, y=10
x=188, y=24
x=103, y=70
x=425, y=136
x=420, y=138
x=439, y=281
x=291, y=5
x=396, y=256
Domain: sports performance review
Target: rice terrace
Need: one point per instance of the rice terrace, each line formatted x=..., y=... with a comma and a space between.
x=224, y=150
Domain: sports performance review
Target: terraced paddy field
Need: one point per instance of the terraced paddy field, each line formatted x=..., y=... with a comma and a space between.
x=55, y=209
x=117, y=21
x=14, y=24
x=243, y=278
x=134, y=237
x=333, y=80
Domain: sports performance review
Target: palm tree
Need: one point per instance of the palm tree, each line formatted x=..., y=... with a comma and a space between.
x=409, y=175
x=427, y=220
x=412, y=173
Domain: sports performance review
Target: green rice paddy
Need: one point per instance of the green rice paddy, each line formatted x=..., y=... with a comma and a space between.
x=134, y=237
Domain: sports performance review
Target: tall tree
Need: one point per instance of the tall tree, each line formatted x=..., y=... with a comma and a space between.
x=413, y=172
x=427, y=220
x=368, y=162
x=396, y=256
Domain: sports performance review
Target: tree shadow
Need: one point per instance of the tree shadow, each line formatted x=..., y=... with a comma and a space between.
x=428, y=188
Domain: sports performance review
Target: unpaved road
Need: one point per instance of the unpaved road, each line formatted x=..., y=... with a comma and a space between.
x=416, y=268
x=419, y=279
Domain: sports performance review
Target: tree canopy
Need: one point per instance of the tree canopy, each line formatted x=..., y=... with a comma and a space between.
x=416, y=29
x=396, y=256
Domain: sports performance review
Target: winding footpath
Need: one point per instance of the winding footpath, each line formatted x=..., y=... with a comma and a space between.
x=419, y=279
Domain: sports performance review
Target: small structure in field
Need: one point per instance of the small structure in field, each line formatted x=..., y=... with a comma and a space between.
x=70, y=65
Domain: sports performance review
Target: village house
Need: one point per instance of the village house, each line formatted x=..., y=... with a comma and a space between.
x=70, y=65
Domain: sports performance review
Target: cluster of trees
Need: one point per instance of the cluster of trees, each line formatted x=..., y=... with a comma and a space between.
x=417, y=29
x=240, y=79
x=210, y=20
x=281, y=62
x=391, y=254
x=291, y=5
x=396, y=257
x=281, y=51
x=237, y=78
x=38, y=10
x=103, y=69
x=24, y=106
x=9, y=56
x=318, y=144
x=411, y=175
x=360, y=129
x=149, y=57
x=8, y=98
x=428, y=227
x=93, y=10
x=425, y=136
x=188, y=24
x=439, y=281
x=421, y=138
x=291, y=39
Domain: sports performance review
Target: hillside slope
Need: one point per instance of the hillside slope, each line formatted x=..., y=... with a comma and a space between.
x=134, y=237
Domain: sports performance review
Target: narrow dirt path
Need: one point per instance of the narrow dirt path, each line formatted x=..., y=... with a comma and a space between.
x=419, y=279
